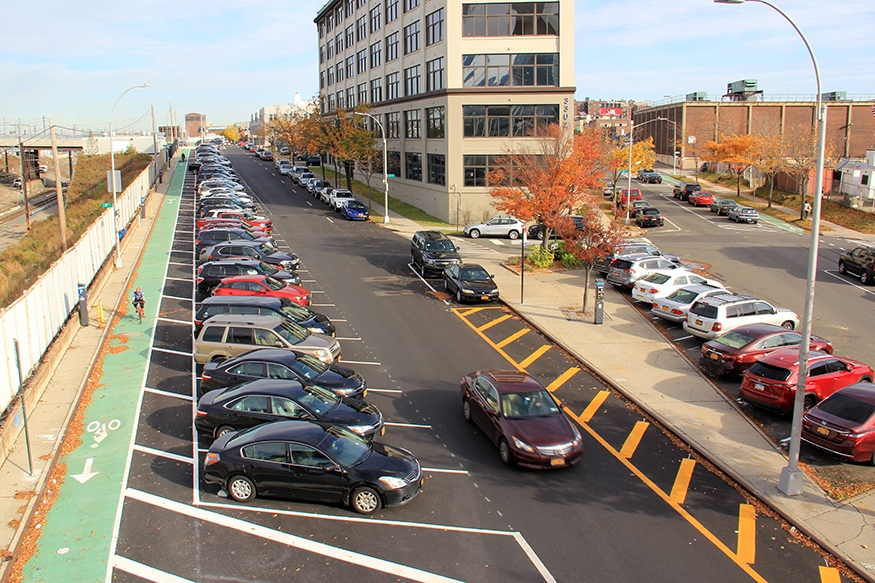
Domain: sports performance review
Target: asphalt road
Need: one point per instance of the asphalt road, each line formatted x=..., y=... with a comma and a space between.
x=622, y=514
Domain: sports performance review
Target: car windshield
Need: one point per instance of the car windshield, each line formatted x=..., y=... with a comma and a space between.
x=848, y=408
x=318, y=400
x=267, y=248
x=292, y=332
x=528, y=405
x=657, y=278
x=443, y=245
x=344, y=446
x=354, y=204
x=768, y=371
x=267, y=268
x=274, y=283
x=308, y=366
x=734, y=339
x=474, y=274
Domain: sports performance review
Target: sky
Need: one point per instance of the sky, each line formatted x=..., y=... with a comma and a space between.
x=71, y=61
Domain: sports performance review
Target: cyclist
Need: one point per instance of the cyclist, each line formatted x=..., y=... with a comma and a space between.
x=139, y=299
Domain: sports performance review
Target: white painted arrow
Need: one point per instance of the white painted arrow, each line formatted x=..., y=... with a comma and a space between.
x=86, y=474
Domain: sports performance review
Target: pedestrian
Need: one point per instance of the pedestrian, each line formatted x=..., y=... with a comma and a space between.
x=806, y=210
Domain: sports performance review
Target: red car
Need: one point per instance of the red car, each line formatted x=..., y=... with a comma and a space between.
x=257, y=230
x=262, y=285
x=771, y=381
x=521, y=417
x=844, y=423
x=701, y=198
x=735, y=351
x=222, y=213
x=623, y=197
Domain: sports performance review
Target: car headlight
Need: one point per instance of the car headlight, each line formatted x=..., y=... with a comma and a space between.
x=468, y=291
x=323, y=355
x=392, y=482
x=360, y=429
x=577, y=437
x=522, y=445
x=316, y=330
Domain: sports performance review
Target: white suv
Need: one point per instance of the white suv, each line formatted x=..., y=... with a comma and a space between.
x=714, y=315
x=338, y=196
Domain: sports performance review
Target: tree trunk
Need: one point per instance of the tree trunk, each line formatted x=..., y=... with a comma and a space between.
x=738, y=184
x=771, y=189
x=348, y=169
x=586, y=286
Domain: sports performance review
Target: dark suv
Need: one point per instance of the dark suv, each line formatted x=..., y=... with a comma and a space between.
x=432, y=251
x=209, y=237
x=685, y=189
x=649, y=176
x=859, y=262
x=536, y=231
x=211, y=274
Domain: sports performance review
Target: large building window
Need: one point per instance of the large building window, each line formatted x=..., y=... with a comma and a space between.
x=413, y=166
x=413, y=123
x=330, y=72
x=331, y=102
x=361, y=3
x=321, y=55
x=392, y=47
x=391, y=10
x=437, y=169
x=488, y=121
x=350, y=67
x=363, y=92
x=514, y=19
x=376, y=19
x=434, y=75
x=393, y=163
x=340, y=104
x=338, y=72
x=338, y=15
x=376, y=90
x=510, y=70
x=350, y=97
x=350, y=35
x=362, y=61
x=393, y=125
x=476, y=168
x=338, y=43
x=434, y=27
x=329, y=23
x=434, y=117
x=350, y=8
x=361, y=28
x=392, y=86
x=329, y=49
x=410, y=5
x=321, y=79
x=411, y=38
x=376, y=55
x=412, y=81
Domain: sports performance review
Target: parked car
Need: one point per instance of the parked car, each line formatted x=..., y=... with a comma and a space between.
x=744, y=214
x=520, y=417
x=470, y=282
x=735, y=351
x=661, y=283
x=685, y=189
x=210, y=237
x=717, y=314
x=701, y=198
x=317, y=185
x=637, y=206
x=649, y=176
x=227, y=336
x=537, y=230
x=623, y=198
x=211, y=274
x=303, y=178
x=844, y=423
x=284, y=151
x=338, y=196
x=251, y=250
x=284, y=168
x=278, y=459
x=722, y=206
x=276, y=363
x=17, y=183
x=674, y=306
x=860, y=262
x=267, y=400
x=509, y=227
x=772, y=380
x=431, y=252
x=314, y=161
x=632, y=247
x=314, y=322
x=649, y=217
x=251, y=285
x=354, y=210
x=626, y=270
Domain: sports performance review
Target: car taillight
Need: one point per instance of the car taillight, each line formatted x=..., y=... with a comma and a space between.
x=677, y=312
x=201, y=413
x=212, y=458
x=653, y=290
x=716, y=327
x=200, y=279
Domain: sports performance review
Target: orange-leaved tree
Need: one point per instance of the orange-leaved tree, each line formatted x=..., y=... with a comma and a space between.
x=735, y=150
x=768, y=157
x=643, y=158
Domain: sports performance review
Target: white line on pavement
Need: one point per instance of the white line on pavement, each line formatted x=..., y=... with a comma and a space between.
x=145, y=572
x=167, y=454
x=168, y=394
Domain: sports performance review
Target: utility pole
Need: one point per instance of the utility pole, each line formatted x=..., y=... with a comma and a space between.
x=23, y=181
x=59, y=190
x=154, y=133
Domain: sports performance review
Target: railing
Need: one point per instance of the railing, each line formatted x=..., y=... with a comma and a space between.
x=769, y=97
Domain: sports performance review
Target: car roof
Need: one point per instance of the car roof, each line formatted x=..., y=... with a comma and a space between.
x=511, y=381
x=293, y=430
x=861, y=391
x=789, y=357
x=234, y=262
x=759, y=330
x=727, y=298
x=432, y=235
x=700, y=288
x=251, y=319
x=470, y=266
x=279, y=387
x=280, y=355
x=258, y=301
x=673, y=272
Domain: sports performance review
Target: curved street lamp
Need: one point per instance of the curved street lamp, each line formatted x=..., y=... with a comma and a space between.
x=385, y=169
x=632, y=128
x=792, y=481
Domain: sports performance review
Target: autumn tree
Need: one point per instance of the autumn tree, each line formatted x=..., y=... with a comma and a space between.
x=232, y=133
x=736, y=150
x=768, y=157
x=800, y=151
x=643, y=157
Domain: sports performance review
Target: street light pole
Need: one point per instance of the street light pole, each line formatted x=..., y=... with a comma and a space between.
x=674, y=144
x=385, y=169
x=112, y=184
x=791, y=481
x=632, y=128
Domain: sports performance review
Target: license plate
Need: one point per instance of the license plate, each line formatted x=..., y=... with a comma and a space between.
x=759, y=386
x=714, y=356
x=698, y=322
x=823, y=430
x=557, y=462
x=484, y=298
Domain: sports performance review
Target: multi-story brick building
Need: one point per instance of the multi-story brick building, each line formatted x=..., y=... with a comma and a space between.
x=455, y=85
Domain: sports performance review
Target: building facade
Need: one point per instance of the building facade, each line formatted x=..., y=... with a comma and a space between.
x=454, y=85
x=195, y=125
x=259, y=119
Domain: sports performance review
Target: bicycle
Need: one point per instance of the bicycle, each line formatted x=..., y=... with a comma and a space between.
x=140, y=311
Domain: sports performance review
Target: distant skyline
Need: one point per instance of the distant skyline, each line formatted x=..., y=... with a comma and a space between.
x=71, y=61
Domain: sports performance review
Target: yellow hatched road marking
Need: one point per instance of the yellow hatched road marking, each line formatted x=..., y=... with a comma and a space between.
x=747, y=533
x=829, y=575
x=512, y=337
x=634, y=439
x=491, y=343
x=494, y=322
x=535, y=356
x=562, y=378
x=682, y=481
x=593, y=406
x=470, y=311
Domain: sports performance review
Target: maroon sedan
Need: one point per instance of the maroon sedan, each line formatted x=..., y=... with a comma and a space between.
x=735, y=351
x=521, y=417
x=844, y=423
x=771, y=381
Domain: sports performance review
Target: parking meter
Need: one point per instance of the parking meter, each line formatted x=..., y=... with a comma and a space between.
x=143, y=207
x=599, y=301
x=83, y=305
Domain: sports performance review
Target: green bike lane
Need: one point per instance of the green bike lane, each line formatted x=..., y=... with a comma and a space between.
x=78, y=530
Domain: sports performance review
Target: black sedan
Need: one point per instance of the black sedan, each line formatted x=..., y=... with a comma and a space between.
x=313, y=461
x=282, y=364
x=470, y=282
x=267, y=400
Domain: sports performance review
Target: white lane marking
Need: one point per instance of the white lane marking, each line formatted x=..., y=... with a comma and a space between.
x=841, y=278
x=344, y=338
x=344, y=361
x=178, y=263
x=329, y=220
x=144, y=571
x=308, y=281
x=317, y=291
x=533, y=557
x=188, y=279
x=370, y=390
x=175, y=297
x=167, y=454
x=326, y=306
x=413, y=425
x=181, y=251
x=676, y=228
x=413, y=269
x=175, y=321
x=168, y=394
x=444, y=471
x=684, y=338
x=373, y=563
x=168, y=351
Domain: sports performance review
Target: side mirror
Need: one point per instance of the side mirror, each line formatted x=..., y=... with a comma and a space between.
x=278, y=344
x=491, y=276
x=264, y=291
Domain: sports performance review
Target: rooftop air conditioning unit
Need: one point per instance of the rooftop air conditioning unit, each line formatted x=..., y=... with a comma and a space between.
x=697, y=96
x=834, y=96
x=743, y=86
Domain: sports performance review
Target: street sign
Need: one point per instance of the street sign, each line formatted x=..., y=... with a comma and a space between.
x=390, y=176
x=106, y=205
x=118, y=181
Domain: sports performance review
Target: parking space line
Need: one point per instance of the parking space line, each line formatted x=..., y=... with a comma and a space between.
x=344, y=361
x=535, y=356
x=169, y=351
x=593, y=406
x=515, y=336
x=168, y=278
x=471, y=311
x=563, y=378
x=444, y=471
x=168, y=394
x=634, y=438
x=414, y=425
x=175, y=298
x=175, y=321
x=839, y=277
x=829, y=574
x=747, y=533
x=301, y=543
x=684, y=338
x=384, y=390
x=181, y=251
x=324, y=306
x=160, y=453
x=179, y=263
x=492, y=323
x=145, y=572
x=682, y=481
x=347, y=339
x=534, y=558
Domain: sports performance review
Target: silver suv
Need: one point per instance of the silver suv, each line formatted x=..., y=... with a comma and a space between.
x=627, y=269
x=714, y=315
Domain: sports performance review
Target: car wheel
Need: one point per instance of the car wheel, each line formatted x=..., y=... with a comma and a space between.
x=809, y=402
x=459, y=296
x=504, y=452
x=513, y=235
x=446, y=284
x=413, y=261
x=466, y=410
x=241, y=488
x=842, y=268
x=222, y=430
x=540, y=234
x=366, y=500
x=865, y=278
x=788, y=325
x=474, y=233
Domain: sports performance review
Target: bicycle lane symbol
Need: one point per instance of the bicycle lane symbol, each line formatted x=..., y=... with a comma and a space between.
x=100, y=430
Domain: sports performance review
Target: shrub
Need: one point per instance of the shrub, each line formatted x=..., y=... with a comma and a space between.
x=571, y=262
x=541, y=257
